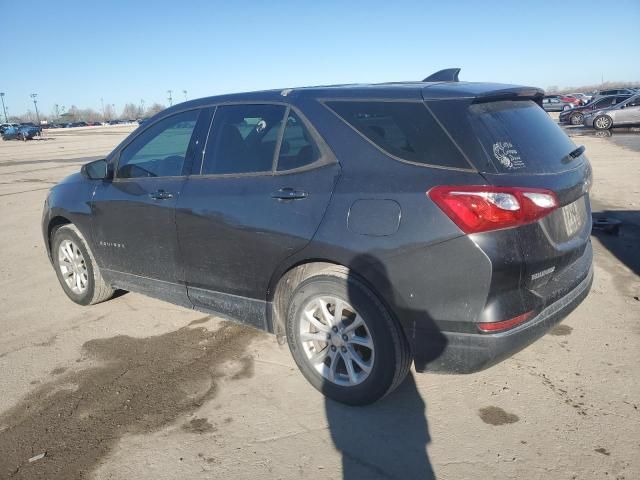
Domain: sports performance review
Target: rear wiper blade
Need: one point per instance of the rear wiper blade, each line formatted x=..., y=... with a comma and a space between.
x=574, y=154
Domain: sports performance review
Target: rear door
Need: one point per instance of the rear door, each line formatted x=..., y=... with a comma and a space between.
x=258, y=197
x=514, y=143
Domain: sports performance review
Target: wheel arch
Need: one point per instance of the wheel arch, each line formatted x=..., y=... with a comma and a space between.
x=283, y=285
x=54, y=223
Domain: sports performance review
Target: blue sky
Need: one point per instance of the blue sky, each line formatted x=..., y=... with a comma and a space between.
x=75, y=52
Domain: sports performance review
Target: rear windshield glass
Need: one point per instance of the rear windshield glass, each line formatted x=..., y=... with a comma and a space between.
x=403, y=129
x=520, y=137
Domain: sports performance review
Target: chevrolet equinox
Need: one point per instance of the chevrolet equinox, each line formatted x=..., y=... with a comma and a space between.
x=440, y=223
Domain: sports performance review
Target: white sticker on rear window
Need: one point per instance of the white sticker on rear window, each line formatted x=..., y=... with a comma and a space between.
x=507, y=155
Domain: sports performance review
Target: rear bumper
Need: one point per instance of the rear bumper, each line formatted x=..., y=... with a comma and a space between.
x=469, y=352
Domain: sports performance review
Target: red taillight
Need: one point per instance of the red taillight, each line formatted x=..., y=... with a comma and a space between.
x=493, y=327
x=480, y=208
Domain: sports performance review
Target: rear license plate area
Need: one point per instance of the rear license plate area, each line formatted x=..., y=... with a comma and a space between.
x=573, y=216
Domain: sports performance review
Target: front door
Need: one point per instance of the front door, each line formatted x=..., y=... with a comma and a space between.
x=261, y=193
x=134, y=214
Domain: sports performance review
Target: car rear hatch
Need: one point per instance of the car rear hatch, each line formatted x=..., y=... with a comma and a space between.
x=513, y=142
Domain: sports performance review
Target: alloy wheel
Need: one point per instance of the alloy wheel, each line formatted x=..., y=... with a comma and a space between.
x=336, y=341
x=73, y=267
x=603, y=122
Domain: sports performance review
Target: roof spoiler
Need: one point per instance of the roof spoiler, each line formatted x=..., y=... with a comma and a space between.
x=446, y=75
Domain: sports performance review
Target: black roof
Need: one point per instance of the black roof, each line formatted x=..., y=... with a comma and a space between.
x=411, y=90
x=394, y=90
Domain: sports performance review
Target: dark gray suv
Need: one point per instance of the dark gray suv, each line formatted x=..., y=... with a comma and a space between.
x=440, y=222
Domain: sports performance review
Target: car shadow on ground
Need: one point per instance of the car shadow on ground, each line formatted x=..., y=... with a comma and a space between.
x=387, y=439
x=624, y=243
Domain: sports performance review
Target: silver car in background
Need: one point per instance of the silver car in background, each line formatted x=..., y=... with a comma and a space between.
x=624, y=114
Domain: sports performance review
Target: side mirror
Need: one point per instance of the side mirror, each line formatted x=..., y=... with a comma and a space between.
x=96, y=170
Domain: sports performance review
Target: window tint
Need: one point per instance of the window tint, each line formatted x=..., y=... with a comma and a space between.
x=404, y=129
x=243, y=139
x=519, y=137
x=160, y=150
x=297, y=148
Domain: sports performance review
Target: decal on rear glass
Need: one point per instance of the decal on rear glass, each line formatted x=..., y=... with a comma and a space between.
x=507, y=155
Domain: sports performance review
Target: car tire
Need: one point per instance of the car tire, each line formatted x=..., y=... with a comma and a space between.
x=23, y=137
x=76, y=267
x=366, y=337
x=576, y=119
x=602, y=122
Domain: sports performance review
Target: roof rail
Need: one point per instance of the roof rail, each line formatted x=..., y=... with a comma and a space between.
x=446, y=75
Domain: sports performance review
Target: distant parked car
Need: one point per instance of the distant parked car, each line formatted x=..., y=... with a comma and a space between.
x=4, y=126
x=572, y=100
x=583, y=97
x=575, y=116
x=625, y=114
x=23, y=132
x=614, y=91
x=553, y=103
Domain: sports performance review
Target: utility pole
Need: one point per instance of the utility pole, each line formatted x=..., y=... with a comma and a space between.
x=4, y=109
x=35, y=104
x=104, y=119
x=185, y=95
x=170, y=98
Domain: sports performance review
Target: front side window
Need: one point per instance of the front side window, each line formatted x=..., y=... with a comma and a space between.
x=297, y=148
x=406, y=130
x=243, y=139
x=160, y=150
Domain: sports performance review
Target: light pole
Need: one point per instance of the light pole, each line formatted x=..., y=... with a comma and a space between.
x=4, y=109
x=170, y=98
x=185, y=95
x=141, y=107
x=35, y=104
x=102, y=104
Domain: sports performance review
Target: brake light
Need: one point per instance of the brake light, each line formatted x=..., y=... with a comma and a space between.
x=481, y=208
x=493, y=327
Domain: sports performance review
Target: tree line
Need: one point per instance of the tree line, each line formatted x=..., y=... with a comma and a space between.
x=592, y=88
x=58, y=114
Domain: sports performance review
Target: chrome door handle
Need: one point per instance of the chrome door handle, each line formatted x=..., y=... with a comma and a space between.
x=288, y=193
x=161, y=195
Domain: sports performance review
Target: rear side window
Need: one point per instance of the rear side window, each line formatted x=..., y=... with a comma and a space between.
x=634, y=103
x=405, y=130
x=519, y=137
x=243, y=139
x=297, y=148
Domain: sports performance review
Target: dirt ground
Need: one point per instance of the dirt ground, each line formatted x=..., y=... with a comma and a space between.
x=138, y=388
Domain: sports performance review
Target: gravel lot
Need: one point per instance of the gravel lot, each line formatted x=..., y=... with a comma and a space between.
x=138, y=388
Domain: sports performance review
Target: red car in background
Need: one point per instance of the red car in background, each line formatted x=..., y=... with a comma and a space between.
x=576, y=102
